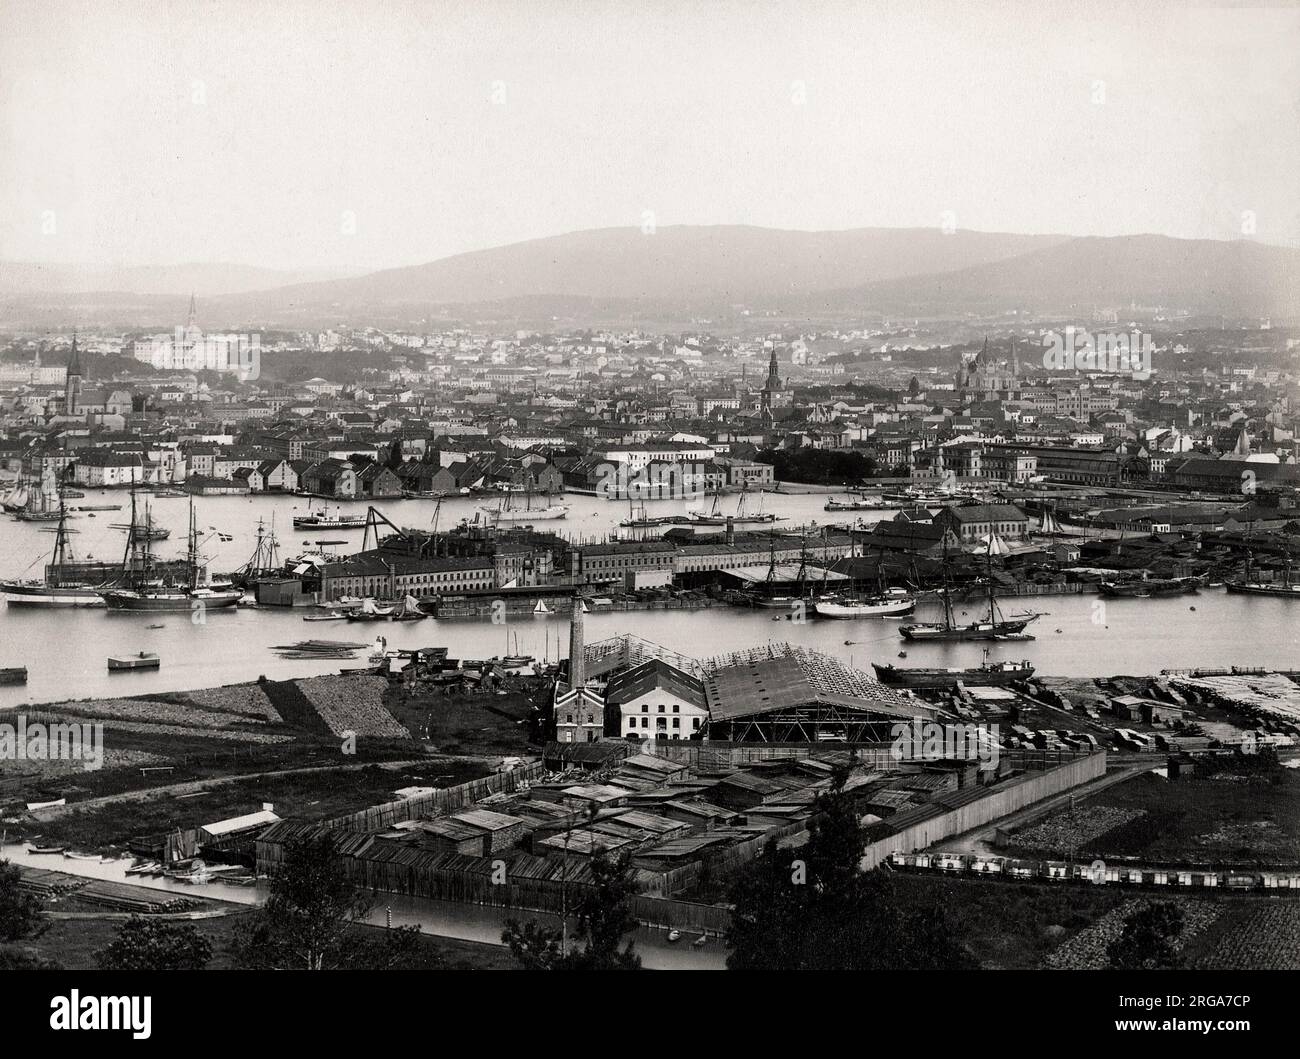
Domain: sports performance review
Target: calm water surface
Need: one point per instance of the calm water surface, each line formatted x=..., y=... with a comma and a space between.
x=66, y=651
x=467, y=922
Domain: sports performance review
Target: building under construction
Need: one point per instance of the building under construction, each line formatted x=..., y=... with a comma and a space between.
x=779, y=693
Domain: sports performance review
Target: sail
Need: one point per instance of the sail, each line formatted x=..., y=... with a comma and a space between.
x=996, y=545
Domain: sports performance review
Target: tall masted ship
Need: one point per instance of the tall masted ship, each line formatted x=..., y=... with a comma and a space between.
x=144, y=591
x=51, y=590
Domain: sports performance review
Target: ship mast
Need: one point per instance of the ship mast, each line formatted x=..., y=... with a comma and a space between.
x=947, y=594
x=61, y=534
x=192, y=552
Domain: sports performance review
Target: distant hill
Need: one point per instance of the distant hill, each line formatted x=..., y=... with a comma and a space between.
x=1147, y=270
x=202, y=280
x=680, y=274
x=686, y=265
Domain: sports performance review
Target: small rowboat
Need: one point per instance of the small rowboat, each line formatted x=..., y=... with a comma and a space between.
x=47, y=849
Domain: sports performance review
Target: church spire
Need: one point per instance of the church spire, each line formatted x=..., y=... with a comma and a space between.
x=194, y=312
x=72, y=382
x=74, y=358
x=773, y=374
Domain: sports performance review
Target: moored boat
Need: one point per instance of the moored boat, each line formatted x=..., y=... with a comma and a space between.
x=990, y=674
x=1263, y=588
x=867, y=607
x=143, y=660
x=148, y=594
x=1150, y=587
x=327, y=521
x=992, y=627
x=50, y=591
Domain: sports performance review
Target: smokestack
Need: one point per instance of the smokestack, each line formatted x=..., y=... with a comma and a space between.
x=577, y=649
x=731, y=531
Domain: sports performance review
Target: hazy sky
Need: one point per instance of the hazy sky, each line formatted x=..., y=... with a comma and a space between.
x=372, y=134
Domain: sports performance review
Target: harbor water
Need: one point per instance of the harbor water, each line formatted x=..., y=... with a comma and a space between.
x=66, y=651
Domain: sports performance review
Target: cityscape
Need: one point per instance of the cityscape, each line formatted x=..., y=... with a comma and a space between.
x=692, y=593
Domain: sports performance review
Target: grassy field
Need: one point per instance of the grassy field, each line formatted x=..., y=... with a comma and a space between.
x=1250, y=935
x=478, y=722
x=310, y=796
x=162, y=740
x=73, y=944
x=1007, y=924
x=1228, y=820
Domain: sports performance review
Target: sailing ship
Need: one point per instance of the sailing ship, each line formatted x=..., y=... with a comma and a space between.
x=506, y=511
x=147, y=592
x=265, y=560
x=885, y=601
x=992, y=627
x=714, y=516
x=16, y=499
x=1251, y=587
x=324, y=520
x=49, y=591
x=42, y=504
x=142, y=531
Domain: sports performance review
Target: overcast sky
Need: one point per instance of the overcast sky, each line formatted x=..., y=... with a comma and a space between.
x=324, y=133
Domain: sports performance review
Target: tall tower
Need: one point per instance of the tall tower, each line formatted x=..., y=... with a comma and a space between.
x=577, y=649
x=772, y=386
x=72, y=384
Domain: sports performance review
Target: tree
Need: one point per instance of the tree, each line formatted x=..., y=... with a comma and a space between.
x=537, y=948
x=604, y=919
x=20, y=913
x=17, y=960
x=144, y=944
x=1148, y=939
x=312, y=908
x=913, y=388
x=815, y=909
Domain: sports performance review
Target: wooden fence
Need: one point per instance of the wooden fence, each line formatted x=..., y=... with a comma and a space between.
x=437, y=803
